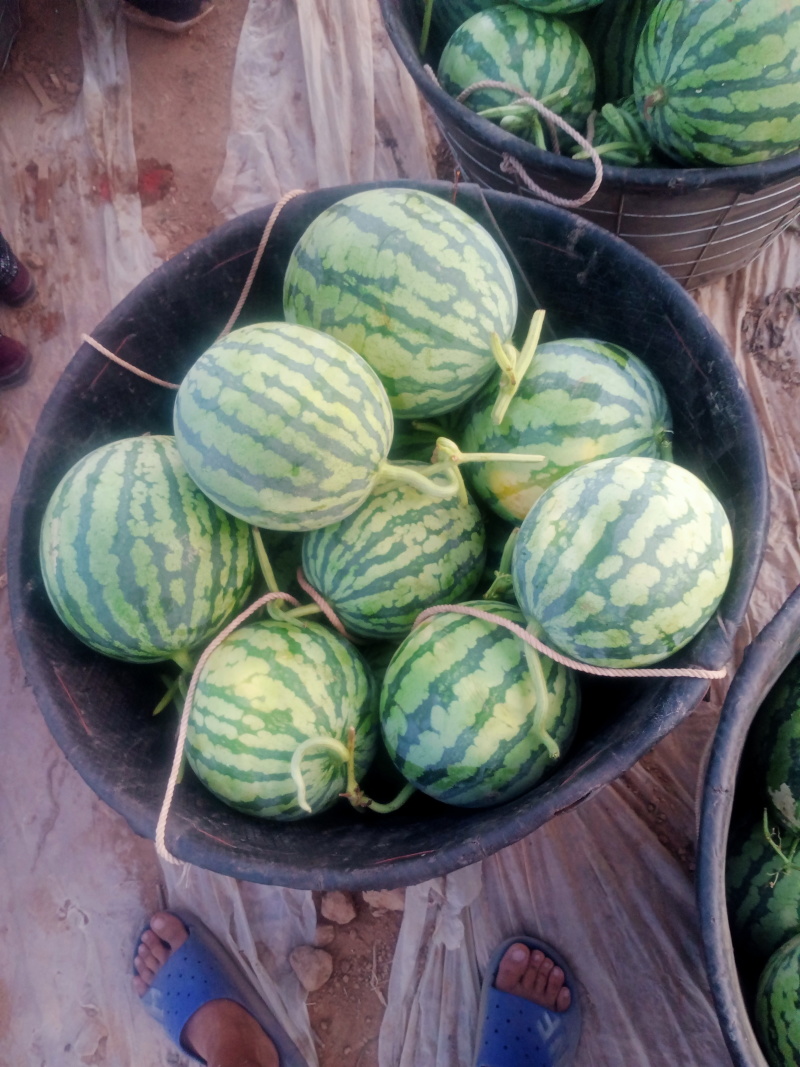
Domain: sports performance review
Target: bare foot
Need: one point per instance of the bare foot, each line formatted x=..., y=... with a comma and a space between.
x=222, y=1031
x=533, y=976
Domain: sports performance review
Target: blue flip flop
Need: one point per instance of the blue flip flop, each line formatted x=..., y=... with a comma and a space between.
x=202, y=970
x=514, y=1032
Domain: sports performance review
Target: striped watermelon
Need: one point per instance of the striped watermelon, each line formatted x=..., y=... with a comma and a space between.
x=612, y=38
x=719, y=81
x=459, y=713
x=777, y=1007
x=267, y=688
x=763, y=893
x=283, y=426
x=400, y=552
x=579, y=400
x=622, y=561
x=538, y=54
x=136, y=561
x=558, y=7
x=414, y=285
x=777, y=739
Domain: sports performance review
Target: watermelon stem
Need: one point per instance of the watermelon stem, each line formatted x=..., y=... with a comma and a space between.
x=301, y=611
x=173, y=685
x=356, y=795
x=424, y=482
x=264, y=563
x=503, y=581
x=542, y=700
x=426, y=26
x=774, y=841
x=453, y=455
x=276, y=609
x=514, y=364
x=334, y=746
x=184, y=659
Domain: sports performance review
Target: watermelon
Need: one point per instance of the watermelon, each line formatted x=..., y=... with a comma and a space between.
x=579, y=400
x=411, y=283
x=459, y=711
x=622, y=561
x=283, y=426
x=612, y=38
x=777, y=1007
x=776, y=737
x=136, y=561
x=269, y=687
x=762, y=890
x=400, y=552
x=539, y=55
x=719, y=81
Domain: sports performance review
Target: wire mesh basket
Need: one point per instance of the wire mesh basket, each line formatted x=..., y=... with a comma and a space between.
x=699, y=223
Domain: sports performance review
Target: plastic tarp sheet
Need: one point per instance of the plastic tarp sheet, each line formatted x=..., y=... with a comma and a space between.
x=319, y=99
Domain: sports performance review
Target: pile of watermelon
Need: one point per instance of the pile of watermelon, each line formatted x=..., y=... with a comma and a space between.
x=408, y=445
x=763, y=870
x=649, y=82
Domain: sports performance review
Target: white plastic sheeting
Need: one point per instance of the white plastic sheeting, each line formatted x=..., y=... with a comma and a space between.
x=319, y=99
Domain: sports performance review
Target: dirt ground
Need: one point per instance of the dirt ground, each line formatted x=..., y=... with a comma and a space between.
x=181, y=93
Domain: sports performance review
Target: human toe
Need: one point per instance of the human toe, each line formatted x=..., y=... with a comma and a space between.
x=512, y=967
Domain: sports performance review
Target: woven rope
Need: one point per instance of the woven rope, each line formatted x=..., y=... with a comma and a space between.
x=324, y=607
x=279, y=206
x=123, y=363
x=603, y=672
x=166, y=804
x=511, y=165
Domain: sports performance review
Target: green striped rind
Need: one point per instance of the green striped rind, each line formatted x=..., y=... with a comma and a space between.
x=267, y=688
x=558, y=7
x=538, y=54
x=777, y=1007
x=414, y=285
x=612, y=38
x=580, y=400
x=137, y=562
x=400, y=552
x=283, y=426
x=777, y=742
x=719, y=81
x=622, y=561
x=456, y=710
x=763, y=895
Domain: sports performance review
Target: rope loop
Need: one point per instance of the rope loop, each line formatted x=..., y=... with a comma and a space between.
x=511, y=165
x=161, y=825
x=586, y=668
x=279, y=206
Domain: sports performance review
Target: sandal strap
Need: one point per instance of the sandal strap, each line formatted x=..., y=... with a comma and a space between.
x=202, y=970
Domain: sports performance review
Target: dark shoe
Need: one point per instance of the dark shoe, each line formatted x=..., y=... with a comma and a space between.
x=15, y=362
x=170, y=16
x=20, y=290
